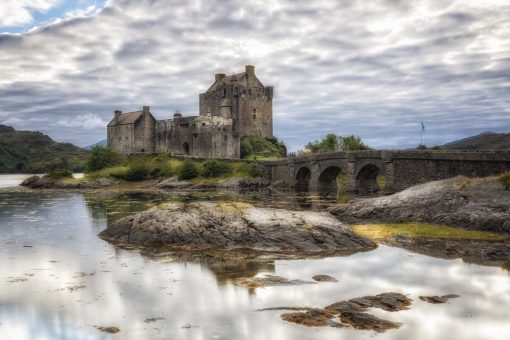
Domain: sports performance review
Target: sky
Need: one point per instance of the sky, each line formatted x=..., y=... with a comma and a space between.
x=376, y=69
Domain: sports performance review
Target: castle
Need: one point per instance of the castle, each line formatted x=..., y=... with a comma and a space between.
x=233, y=107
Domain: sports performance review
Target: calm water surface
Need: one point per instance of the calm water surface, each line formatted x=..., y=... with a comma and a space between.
x=59, y=280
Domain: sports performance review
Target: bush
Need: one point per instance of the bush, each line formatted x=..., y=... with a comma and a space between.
x=249, y=169
x=214, y=168
x=263, y=147
x=188, y=170
x=102, y=157
x=59, y=173
x=505, y=180
x=137, y=172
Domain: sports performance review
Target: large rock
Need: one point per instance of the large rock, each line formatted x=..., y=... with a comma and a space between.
x=236, y=225
x=478, y=203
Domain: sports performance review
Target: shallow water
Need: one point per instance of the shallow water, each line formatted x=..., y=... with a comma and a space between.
x=59, y=280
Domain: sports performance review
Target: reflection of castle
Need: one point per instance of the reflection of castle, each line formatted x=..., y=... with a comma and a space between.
x=233, y=107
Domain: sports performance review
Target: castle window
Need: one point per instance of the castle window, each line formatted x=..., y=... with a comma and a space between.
x=224, y=92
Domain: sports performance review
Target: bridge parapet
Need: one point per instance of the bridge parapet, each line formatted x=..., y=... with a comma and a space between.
x=401, y=168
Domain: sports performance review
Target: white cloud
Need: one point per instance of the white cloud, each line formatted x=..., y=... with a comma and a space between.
x=86, y=121
x=18, y=12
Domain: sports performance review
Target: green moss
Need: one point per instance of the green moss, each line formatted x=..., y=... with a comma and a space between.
x=416, y=229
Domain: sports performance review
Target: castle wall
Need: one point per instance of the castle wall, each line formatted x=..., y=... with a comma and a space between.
x=122, y=138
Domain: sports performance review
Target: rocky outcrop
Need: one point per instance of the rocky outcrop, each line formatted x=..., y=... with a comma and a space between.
x=236, y=225
x=349, y=313
x=45, y=182
x=479, y=203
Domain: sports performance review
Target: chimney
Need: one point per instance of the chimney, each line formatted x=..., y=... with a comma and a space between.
x=117, y=113
x=219, y=76
x=146, y=109
x=250, y=70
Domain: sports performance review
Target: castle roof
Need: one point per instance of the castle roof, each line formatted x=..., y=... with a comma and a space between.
x=126, y=118
x=234, y=78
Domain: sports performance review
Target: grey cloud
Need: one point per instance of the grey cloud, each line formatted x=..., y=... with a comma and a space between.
x=373, y=69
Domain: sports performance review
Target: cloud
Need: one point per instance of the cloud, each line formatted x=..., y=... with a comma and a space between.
x=86, y=121
x=371, y=69
x=19, y=12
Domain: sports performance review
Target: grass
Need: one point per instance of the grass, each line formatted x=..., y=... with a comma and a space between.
x=162, y=166
x=505, y=180
x=417, y=230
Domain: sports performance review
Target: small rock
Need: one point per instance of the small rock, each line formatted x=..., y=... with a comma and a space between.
x=28, y=182
x=324, y=278
x=439, y=299
x=112, y=330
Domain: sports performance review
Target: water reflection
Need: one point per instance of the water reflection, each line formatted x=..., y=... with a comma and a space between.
x=75, y=281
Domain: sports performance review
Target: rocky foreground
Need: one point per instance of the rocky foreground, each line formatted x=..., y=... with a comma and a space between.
x=236, y=225
x=480, y=203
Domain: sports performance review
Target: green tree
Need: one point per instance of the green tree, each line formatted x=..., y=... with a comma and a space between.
x=102, y=157
x=332, y=142
x=351, y=143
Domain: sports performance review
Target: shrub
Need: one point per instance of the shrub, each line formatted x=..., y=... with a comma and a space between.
x=249, y=169
x=421, y=147
x=102, y=157
x=137, y=172
x=265, y=147
x=505, y=180
x=60, y=173
x=214, y=168
x=188, y=170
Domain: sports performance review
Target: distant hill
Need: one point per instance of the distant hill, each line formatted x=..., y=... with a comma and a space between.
x=102, y=143
x=484, y=141
x=34, y=152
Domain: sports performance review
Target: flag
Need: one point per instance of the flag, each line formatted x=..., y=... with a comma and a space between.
x=422, y=127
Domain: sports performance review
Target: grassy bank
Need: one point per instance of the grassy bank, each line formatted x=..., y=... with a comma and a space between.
x=425, y=230
x=146, y=167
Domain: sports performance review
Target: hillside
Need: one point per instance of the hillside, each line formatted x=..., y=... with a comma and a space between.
x=484, y=141
x=101, y=143
x=34, y=152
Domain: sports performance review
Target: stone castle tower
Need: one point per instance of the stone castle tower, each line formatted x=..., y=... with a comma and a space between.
x=233, y=107
x=243, y=98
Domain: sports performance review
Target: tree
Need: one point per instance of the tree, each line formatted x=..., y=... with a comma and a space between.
x=333, y=142
x=102, y=157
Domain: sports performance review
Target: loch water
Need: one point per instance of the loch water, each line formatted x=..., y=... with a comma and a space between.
x=60, y=281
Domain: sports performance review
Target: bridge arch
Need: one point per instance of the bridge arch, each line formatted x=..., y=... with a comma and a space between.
x=366, y=179
x=328, y=179
x=303, y=177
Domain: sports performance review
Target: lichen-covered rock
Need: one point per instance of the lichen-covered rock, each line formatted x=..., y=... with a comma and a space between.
x=476, y=203
x=236, y=225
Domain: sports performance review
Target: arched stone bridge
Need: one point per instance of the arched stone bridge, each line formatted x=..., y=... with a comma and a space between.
x=359, y=170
